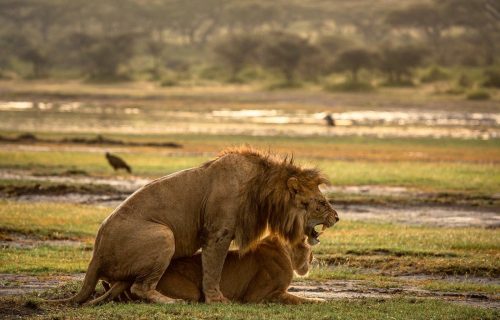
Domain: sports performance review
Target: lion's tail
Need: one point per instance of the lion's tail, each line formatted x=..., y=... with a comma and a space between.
x=115, y=290
x=89, y=283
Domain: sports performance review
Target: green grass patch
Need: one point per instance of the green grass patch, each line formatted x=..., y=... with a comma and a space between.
x=45, y=259
x=399, y=308
x=388, y=248
x=401, y=249
x=464, y=177
x=372, y=278
x=431, y=176
x=52, y=220
x=142, y=163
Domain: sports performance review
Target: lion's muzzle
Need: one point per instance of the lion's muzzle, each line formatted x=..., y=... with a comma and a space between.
x=330, y=217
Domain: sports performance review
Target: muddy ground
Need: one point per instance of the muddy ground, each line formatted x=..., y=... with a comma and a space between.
x=12, y=284
x=422, y=214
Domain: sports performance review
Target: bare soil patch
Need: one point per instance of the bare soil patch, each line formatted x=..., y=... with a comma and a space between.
x=424, y=215
x=328, y=290
x=120, y=184
x=23, y=241
x=15, y=284
x=98, y=140
x=355, y=289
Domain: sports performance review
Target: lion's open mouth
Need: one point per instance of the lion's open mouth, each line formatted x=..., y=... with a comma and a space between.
x=314, y=233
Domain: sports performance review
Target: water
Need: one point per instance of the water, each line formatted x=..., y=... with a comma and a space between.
x=101, y=118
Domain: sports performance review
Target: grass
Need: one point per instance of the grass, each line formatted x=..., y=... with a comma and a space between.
x=400, y=249
x=387, y=248
x=52, y=220
x=475, y=178
x=374, y=279
x=402, y=308
x=373, y=253
x=150, y=163
x=46, y=260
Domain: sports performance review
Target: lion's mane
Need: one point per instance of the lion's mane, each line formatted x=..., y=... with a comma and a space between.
x=265, y=198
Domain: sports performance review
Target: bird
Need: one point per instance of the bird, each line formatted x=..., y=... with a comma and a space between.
x=117, y=162
x=330, y=121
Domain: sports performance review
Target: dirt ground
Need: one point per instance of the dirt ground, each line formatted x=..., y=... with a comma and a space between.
x=12, y=284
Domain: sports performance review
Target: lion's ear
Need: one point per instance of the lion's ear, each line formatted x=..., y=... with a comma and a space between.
x=293, y=185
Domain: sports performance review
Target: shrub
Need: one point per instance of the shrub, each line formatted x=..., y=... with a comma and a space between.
x=465, y=81
x=478, y=95
x=435, y=74
x=492, y=78
x=349, y=86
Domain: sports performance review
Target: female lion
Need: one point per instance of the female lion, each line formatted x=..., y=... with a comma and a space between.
x=261, y=275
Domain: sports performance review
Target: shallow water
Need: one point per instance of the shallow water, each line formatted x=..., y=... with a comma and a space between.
x=66, y=117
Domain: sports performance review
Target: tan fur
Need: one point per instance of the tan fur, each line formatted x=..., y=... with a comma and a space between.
x=261, y=275
x=237, y=196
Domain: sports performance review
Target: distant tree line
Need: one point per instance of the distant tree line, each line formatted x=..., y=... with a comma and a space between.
x=115, y=39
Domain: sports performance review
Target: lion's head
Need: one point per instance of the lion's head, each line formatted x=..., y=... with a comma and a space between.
x=282, y=198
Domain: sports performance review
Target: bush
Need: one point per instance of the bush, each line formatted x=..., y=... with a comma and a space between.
x=465, y=81
x=168, y=82
x=478, y=95
x=492, y=78
x=435, y=74
x=455, y=91
x=349, y=86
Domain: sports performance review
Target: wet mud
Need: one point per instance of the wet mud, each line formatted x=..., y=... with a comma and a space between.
x=12, y=284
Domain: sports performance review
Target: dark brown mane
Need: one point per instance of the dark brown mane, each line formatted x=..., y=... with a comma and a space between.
x=266, y=198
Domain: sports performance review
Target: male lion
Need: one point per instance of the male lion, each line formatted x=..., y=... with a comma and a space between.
x=261, y=275
x=237, y=196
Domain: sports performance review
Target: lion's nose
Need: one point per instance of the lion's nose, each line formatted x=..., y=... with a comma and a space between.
x=336, y=216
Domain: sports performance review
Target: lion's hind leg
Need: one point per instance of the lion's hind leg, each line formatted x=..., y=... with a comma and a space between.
x=156, y=254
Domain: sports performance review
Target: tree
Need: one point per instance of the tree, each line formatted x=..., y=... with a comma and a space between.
x=105, y=55
x=284, y=53
x=333, y=44
x=249, y=16
x=482, y=17
x=397, y=63
x=428, y=18
x=237, y=51
x=197, y=20
x=353, y=60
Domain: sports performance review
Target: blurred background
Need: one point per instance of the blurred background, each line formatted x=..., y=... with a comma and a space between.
x=397, y=102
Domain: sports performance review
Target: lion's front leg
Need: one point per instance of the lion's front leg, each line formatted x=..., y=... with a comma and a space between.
x=213, y=255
